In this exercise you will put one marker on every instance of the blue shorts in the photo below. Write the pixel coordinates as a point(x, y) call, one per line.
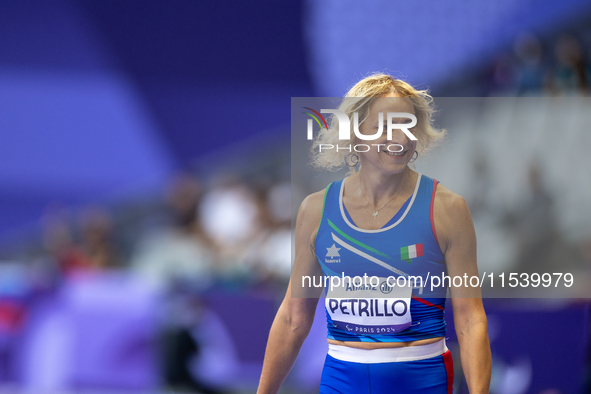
point(432, 375)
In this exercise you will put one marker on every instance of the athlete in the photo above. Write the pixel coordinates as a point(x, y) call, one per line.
point(388, 223)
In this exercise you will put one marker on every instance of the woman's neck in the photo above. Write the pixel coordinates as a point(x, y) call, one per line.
point(377, 187)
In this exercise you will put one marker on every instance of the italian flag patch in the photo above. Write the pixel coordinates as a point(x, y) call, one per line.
point(407, 253)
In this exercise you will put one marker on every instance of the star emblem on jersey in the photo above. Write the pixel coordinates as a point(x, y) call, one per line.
point(333, 252)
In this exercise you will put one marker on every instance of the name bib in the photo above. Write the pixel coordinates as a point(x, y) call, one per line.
point(367, 309)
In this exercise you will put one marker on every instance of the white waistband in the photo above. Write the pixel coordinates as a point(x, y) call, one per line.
point(387, 355)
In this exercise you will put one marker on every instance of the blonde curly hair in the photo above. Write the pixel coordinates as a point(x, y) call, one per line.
point(359, 99)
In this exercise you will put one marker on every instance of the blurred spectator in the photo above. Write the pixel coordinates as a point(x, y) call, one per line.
point(229, 217)
point(572, 71)
point(268, 253)
point(481, 181)
point(530, 72)
point(96, 249)
point(179, 261)
point(98, 240)
point(14, 299)
point(181, 252)
point(501, 76)
point(60, 244)
point(541, 247)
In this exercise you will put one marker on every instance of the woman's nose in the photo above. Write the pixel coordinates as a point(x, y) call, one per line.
point(398, 136)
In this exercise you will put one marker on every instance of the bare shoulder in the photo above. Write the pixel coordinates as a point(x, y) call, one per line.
point(309, 215)
point(305, 263)
point(451, 216)
point(312, 204)
point(449, 202)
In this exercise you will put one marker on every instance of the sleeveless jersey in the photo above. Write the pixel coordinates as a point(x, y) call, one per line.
point(368, 310)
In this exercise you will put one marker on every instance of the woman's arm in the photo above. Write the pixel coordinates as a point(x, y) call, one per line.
point(457, 240)
point(296, 313)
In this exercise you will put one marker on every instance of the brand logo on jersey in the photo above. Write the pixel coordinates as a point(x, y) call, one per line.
point(407, 253)
point(386, 288)
point(353, 287)
point(331, 253)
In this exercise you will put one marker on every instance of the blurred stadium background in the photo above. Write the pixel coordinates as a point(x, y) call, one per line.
point(146, 178)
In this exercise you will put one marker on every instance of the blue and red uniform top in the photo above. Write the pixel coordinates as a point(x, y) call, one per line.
point(405, 247)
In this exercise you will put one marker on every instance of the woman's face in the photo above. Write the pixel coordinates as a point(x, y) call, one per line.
point(391, 156)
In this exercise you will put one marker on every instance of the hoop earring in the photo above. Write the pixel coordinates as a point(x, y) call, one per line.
point(414, 157)
point(352, 159)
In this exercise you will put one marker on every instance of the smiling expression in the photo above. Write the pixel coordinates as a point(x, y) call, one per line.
point(393, 155)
